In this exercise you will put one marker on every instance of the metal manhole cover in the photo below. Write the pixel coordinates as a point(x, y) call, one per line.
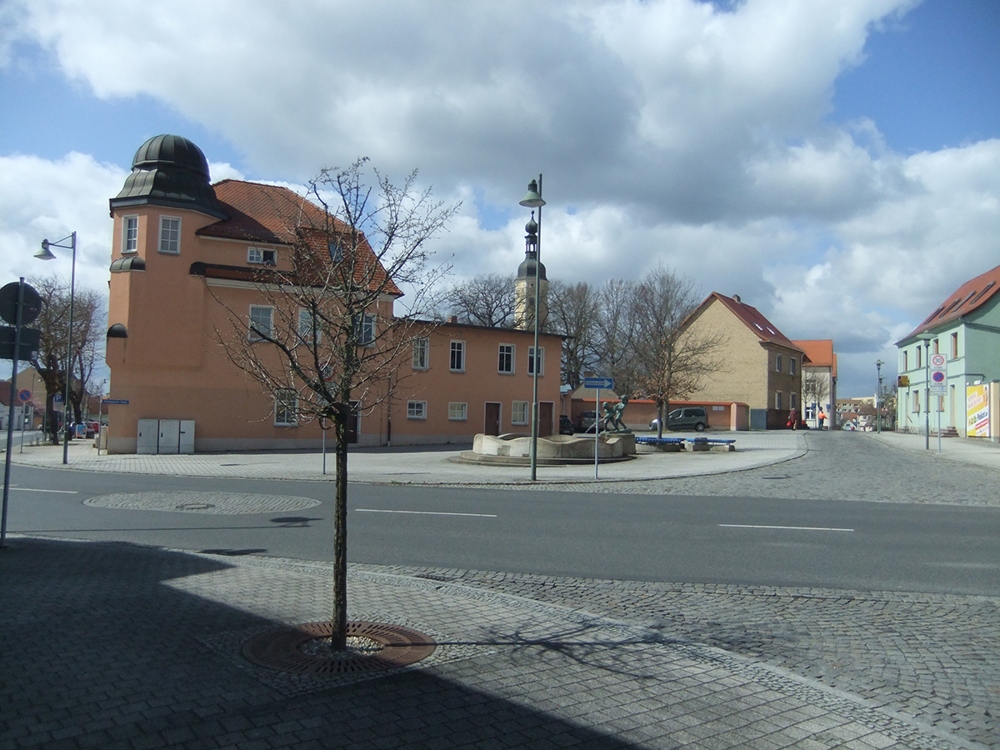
point(376, 647)
point(217, 503)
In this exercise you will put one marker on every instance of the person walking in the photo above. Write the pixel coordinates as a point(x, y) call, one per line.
point(821, 417)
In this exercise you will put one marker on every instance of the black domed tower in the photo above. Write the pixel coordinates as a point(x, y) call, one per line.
point(524, 284)
point(169, 170)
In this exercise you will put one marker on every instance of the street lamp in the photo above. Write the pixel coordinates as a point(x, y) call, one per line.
point(926, 338)
point(46, 254)
point(533, 199)
point(878, 397)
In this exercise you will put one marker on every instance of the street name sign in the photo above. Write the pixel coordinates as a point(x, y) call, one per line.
point(605, 384)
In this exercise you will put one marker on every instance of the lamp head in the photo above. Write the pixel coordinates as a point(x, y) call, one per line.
point(532, 199)
point(45, 253)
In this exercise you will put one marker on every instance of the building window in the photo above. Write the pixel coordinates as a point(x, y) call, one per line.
point(541, 360)
point(777, 400)
point(458, 412)
point(336, 251)
point(791, 365)
point(793, 400)
point(420, 353)
point(261, 322)
point(307, 326)
point(364, 329)
point(919, 357)
point(130, 234)
point(170, 235)
point(416, 410)
point(916, 402)
point(936, 347)
point(286, 408)
point(519, 412)
point(906, 361)
point(505, 360)
point(954, 345)
point(261, 256)
point(777, 363)
point(457, 363)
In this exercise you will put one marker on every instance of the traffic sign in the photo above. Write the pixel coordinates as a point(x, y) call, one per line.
point(938, 360)
point(602, 383)
point(938, 377)
point(114, 401)
point(31, 304)
point(58, 398)
point(24, 396)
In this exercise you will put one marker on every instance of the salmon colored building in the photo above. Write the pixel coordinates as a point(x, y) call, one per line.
point(189, 256)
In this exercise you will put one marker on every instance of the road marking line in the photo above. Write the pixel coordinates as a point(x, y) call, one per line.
point(424, 513)
point(786, 528)
point(58, 492)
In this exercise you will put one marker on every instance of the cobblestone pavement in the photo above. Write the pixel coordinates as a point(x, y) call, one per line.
point(114, 645)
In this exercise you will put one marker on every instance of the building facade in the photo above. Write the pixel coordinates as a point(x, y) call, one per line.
point(955, 348)
point(759, 365)
point(197, 266)
point(819, 382)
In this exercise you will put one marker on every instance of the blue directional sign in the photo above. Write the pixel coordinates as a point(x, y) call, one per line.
point(605, 384)
point(114, 401)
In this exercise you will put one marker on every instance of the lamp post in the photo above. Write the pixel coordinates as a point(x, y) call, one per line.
point(878, 397)
point(926, 338)
point(533, 199)
point(46, 254)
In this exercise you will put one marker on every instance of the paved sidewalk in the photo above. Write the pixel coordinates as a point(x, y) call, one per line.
point(115, 645)
point(423, 465)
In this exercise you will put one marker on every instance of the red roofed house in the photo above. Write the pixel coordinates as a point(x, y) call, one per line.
point(763, 368)
point(961, 341)
point(819, 381)
point(189, 258)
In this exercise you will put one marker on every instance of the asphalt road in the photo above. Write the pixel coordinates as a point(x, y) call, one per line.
point(709, 539)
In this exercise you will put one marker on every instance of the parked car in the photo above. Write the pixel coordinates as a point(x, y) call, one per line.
point(586, 421)
point(685, 418)
point(565, 425)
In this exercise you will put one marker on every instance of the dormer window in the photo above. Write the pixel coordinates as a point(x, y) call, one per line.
point(261, 256)
point(336, 252)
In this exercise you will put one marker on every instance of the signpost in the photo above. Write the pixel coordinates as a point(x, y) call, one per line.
point(938, 385)
point(597, 384)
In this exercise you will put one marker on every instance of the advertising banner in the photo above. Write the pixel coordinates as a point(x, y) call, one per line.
point(977, 409)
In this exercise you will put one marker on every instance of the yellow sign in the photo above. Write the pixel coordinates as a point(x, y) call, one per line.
point(977, 410)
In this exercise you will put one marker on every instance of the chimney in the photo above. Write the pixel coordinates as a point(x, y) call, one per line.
point(453, 319)
point(736, 298)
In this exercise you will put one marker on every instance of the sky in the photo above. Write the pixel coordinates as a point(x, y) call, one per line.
point(835, 163)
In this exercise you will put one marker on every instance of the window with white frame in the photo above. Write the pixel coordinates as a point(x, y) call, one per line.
point(416, 410)
point(306, 326)
point(457, 360)
point(541, 360)
point(170, 235)
point(906, 360)
point(130, 234)
point(777, 363)
point(505, 359)
point(777, 401)
point(261, 322)
point(519, 412)
point(364, 329)
point(261, 256)
point(791, 365)
point(458, 411)
point(421, 353)
point(286, 408)
point(916, 401)
point(954, 345)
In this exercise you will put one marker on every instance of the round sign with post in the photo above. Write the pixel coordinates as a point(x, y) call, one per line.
point(24, 396)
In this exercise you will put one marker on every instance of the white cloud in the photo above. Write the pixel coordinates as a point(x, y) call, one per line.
point(669, 131)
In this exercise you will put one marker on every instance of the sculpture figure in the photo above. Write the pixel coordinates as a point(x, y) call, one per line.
point(613, 416)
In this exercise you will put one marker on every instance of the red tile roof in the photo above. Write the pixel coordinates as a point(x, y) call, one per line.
point(272, 214)
point(819, 352)
point(753, 320)
point(970, 296)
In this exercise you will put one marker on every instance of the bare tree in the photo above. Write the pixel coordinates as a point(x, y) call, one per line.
point(672, 362)
point(485, 300)
point(815, 387)
point(51, 364)
point(332, 344)
point(573, 313)
point(616, 335)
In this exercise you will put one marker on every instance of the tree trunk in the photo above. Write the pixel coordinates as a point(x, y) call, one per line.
point(339, 621)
